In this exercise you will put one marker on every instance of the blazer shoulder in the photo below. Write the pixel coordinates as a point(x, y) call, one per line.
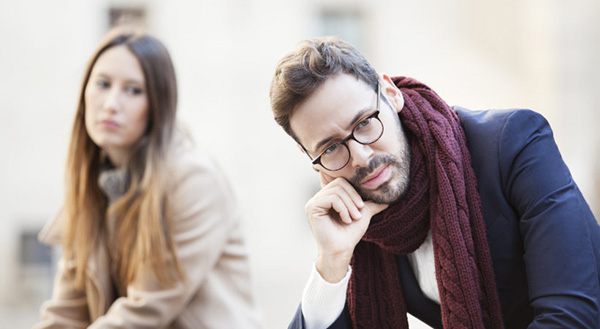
point(486, 128)
point(495, 117)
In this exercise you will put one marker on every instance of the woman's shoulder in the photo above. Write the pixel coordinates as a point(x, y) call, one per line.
point(192, 167)
point(197, 187)
point(51, 233)
point(187, 158)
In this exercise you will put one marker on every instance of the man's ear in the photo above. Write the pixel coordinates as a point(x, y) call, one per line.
point(391, 92)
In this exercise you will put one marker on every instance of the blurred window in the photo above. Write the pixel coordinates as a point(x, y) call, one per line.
point(127, 16)
point(345, 23)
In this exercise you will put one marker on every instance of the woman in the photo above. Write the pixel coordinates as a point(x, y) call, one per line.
point(149, 228)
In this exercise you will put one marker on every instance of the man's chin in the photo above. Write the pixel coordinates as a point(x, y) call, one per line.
point(383, 194)
point(389, 191)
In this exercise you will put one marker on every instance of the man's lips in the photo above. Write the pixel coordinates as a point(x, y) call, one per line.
point(378, 177)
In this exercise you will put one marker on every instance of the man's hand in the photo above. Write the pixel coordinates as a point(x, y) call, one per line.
point(338, 218)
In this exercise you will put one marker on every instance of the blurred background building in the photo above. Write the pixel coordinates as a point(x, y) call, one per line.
point(538, 54)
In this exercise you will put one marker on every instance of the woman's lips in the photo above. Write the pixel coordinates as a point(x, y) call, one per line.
point(373, 181)
point(110, 124)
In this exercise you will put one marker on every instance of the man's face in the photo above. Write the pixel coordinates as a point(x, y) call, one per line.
point(378, 171)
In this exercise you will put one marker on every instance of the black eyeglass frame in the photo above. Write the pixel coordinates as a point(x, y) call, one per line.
point(343, 142)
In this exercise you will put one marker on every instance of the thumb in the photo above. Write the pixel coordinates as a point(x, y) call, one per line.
point(374, 208)
point(324, 178)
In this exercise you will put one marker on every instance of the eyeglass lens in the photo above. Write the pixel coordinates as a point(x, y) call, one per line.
point(366, 132)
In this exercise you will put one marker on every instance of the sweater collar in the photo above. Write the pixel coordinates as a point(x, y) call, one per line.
point(113, 182)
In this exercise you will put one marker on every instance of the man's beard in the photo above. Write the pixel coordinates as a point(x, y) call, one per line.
point(391, 190)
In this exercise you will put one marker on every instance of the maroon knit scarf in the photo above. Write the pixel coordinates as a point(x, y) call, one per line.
point(443, 196)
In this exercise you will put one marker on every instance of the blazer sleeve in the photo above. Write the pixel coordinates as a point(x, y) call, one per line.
point(298, 320)
point(342, 322)
point(556, 225)
point(203, 213)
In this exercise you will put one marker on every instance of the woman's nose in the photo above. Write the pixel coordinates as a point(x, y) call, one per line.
point(112, 102)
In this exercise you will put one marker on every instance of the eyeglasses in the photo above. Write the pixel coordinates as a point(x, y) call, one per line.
point(368, 130)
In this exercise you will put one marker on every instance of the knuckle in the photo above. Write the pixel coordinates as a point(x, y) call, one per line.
point(309, 205)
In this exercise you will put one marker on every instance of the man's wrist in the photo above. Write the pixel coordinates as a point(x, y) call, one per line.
point(323, 302)
point(333, 268)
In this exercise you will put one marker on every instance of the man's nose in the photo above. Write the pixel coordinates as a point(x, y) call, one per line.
point(359, 153)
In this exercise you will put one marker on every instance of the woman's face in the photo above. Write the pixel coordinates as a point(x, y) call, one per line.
point(116, 103)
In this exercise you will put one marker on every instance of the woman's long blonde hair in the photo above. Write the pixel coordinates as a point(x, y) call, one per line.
point(142, 232)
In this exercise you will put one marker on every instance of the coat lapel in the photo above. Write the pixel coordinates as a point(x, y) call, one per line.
point(99, 290)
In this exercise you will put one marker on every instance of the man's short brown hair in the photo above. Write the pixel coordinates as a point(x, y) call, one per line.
point(303, 70)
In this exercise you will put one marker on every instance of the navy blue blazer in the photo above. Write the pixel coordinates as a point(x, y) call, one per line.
point(543, 239)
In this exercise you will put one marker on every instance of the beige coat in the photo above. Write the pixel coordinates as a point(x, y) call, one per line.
point(209, 244)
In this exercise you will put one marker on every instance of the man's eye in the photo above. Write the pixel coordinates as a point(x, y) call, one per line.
point(331, 148)
point(364, 123)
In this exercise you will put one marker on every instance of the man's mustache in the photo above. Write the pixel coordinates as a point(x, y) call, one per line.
point(375, 163)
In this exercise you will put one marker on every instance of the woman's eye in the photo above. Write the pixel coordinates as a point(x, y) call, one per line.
point(134, 90)
point(102, 84)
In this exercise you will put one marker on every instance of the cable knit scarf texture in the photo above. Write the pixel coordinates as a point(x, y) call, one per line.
point(442, 196)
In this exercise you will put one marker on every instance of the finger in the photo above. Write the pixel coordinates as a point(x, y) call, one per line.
point(340, 207)
point(374, 208)
point(351, 197)
point(350, 203)
point(352, 193)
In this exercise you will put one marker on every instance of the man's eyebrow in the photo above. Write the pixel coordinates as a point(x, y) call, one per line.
point(350, 126)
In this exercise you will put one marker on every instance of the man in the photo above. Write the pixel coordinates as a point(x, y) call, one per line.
point(464, 219)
